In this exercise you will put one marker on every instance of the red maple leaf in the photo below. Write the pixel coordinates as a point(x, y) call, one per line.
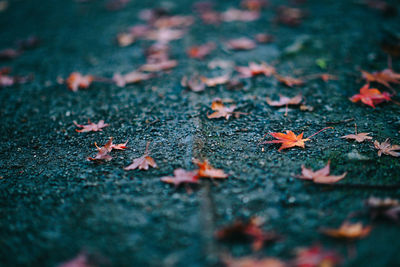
point(77, 80)
point(289, 139)
point(370, 96)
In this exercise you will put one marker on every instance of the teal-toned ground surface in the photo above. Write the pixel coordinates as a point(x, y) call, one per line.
point(54, 203)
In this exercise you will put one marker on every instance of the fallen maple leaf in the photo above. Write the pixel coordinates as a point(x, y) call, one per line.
point(285, 101)
point(177, 21)
point(321, 176)
point(387, 208)
point(206, 170)
point(348, 231)
point(359, 137)
point(77, 80)
point(222, 111)
point(194, 83)
point(250, 262)
point(255, 69)
point(201, 51)
point(316, 256)
point(7, 80)
point(103, 152)
point(131, 77)
point(159, 66)
point(91, 127)
point(142, 163)
point(240, 230)
point(327, 77)
point(386, 148)
point(181, 176)
point(384, 77)
point(289, 139)
point(81, 260)
point(289, 81)
point(234, 14)
point(241, 44)
point(370, 96)
point(211, 82)
point(164, 35)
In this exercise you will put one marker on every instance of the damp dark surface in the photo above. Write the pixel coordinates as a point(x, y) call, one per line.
point(54, 203)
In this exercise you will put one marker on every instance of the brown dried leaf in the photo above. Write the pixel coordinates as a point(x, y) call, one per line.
point(360, 137)
point(77, 80)
point(386, 148)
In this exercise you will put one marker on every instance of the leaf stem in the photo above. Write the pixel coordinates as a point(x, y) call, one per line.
point(320, 131)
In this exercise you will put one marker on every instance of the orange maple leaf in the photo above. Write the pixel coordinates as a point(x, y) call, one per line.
point(206, 170)
point(77, 80)
point(348, 231)
point(103, 152)
point(370, 96)
point(289, 139)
